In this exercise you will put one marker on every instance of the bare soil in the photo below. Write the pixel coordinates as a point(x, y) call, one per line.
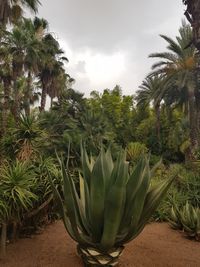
point(158, 245)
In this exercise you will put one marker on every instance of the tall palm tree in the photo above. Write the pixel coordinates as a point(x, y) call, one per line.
point(178, 64)
point(59, 81)
point(15, 41)
point(151, 91)
point(192, 13)
point(50, 67)
point(11, 11)
point(23, 45)
point(35, 30)
point(5, 81)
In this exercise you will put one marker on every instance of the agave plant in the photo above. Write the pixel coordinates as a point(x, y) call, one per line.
point(186, 219)
point(111, 206)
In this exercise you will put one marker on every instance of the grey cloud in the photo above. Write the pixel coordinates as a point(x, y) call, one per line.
point(80, 67)
point(106, 26)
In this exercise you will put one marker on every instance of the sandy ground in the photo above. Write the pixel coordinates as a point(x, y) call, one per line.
point(158, 245)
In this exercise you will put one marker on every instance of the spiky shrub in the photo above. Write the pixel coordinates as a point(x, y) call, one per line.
point(17, 181)
point(134, 151)
point(186, 219)
point(110, 208)
point(16, 184)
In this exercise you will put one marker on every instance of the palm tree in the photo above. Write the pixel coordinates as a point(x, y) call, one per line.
point(50, 67)
point(16, 42)
point(192, 13)
point(150, 91)
point(11, 11)
point(23, 45)
point(59, 81)
point(178, 65)
point(35, 30)
point(5, 81)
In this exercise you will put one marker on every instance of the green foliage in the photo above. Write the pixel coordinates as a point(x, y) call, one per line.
point(26, 140)
point(41, 168)
point(16, 185)
point(186, 188)
point(117, 111)
point(134, 151)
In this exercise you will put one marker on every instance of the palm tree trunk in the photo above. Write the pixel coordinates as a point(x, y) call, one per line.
point(197, 107)
point(157, 111)
point(27, 95)
point(193, 124)
point(14, 231)
point(6, 83)
point(16, 105)
point(17, 73)
point(3, 240)
point(43, 96)
point(192, 13)
point(51, 103)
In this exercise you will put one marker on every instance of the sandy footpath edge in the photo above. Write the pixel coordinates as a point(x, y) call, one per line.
point(158, 245)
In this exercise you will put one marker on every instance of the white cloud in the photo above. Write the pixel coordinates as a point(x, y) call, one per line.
point(108, 42)
point(102, 68)
point(98, 69)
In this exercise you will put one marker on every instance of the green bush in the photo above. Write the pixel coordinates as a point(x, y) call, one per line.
point(134, 151)
point(186, 188)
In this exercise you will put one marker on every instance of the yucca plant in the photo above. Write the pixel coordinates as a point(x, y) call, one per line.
point(110, 208)
point(43, 207)
point(17, 181)
point(186, 219)
point(135, 150)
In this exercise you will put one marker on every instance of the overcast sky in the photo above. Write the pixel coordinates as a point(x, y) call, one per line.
point(108, 42)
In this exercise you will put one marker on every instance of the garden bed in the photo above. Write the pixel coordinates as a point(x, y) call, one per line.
point(158, 245)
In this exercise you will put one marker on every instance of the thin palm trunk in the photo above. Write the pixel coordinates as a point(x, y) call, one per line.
point(51, 104)
point(6, 83)
point(18, 72)
point(14, 232)
point(197, 107)
point(3, 240)
point(157, 112)
point(192, 13)
point(193, 123)
point(46, 82)
point(43, 97)
point(27, 95)
point(16, 105)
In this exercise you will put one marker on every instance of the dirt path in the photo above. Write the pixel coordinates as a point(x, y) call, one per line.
point(158, 245)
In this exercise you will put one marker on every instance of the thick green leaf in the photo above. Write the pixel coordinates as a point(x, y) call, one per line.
point(136, 207)
point(114, 207)
point(97, 195)
point(108, 168)
point(132, 187)
point(153, 199)
point(85, 166)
